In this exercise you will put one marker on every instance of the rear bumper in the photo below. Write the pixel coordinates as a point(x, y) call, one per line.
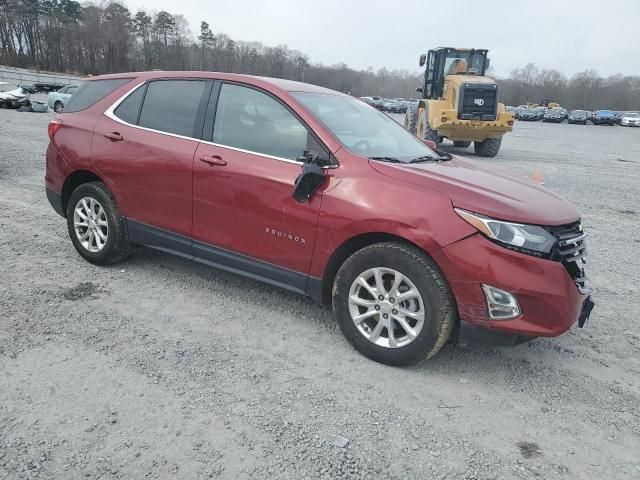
point(548, 297)
point(55, 199)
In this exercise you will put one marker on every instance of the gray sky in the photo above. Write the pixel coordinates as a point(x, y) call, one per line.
point(570, 35)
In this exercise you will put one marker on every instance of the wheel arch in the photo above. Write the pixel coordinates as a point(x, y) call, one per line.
point(73, 181)
point(348, 248)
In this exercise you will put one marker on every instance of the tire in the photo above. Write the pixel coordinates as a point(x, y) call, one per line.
point(58, 107)
point(116, 247)
point(488, 148)
point(461, 143)
point(438, 310)
point(4, 105)
point(411, 118)
point(423, 130)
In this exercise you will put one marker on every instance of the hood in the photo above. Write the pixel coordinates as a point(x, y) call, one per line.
point(17, 93)
point(485, 190)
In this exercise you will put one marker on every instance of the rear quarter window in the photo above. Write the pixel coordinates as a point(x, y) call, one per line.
point(93, 91)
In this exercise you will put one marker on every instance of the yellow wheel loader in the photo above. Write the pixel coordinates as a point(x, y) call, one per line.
point(459, 102)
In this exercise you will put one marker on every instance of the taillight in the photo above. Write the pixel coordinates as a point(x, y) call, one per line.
point(54, 125)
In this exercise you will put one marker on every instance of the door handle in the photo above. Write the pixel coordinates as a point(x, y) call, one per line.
point(213, 160)
point(114, 136)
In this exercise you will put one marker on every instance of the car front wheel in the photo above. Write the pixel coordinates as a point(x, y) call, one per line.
point(95, 225)
point(58, 107)
point(393, 304)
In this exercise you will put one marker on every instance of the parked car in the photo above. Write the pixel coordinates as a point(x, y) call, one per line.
point(15, 98)
point(48, 86)
point(58, 100)
point(603, 117)
point(554, 115)
point(630, 119)
point(316, 192)
point(393, 106)
point(578, 116)
point(530, 115)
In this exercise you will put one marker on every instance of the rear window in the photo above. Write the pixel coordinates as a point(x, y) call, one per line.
point(91, 92)
point(172, 106)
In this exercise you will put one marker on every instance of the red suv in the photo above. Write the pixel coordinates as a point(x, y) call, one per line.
point(317, 192)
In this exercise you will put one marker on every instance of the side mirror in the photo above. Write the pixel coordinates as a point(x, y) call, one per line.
point(423, 59)
point(419, 90)
point(431, 144)
point(311, 178)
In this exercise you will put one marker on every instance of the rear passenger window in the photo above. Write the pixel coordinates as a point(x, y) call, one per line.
point(172, 106)
point(129, 109)
point(91, 92)
point(253, 121)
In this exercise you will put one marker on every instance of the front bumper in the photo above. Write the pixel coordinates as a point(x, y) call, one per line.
point(549, 299)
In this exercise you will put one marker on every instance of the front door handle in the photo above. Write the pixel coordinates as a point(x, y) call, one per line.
point(114, 136)
point(213, 160)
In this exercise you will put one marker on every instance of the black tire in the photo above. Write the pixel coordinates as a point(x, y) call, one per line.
point(58, 107)
point(4, 105)
point(411, 118)
point(461, 143)
point(440, 309)
point(488, 148)
point(428, 133)
point(116, 247)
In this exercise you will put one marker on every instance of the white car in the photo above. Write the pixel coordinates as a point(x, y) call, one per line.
point(630, 119)
point(58, 100)
point(14, 98)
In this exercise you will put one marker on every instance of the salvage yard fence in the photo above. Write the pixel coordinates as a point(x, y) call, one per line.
point(23, 76)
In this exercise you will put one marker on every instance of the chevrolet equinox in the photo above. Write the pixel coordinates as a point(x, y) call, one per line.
point(317, 192)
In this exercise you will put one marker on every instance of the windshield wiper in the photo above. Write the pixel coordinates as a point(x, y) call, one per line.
point(387, 159)
point(431, 158)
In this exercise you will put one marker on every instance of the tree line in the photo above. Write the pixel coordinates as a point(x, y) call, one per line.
point(585, 90)
point(87, 38)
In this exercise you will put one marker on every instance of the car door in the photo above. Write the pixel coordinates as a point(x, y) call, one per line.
point(144, 146)
point(244, 172)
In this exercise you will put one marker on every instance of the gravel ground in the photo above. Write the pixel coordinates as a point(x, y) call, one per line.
point(162, 368)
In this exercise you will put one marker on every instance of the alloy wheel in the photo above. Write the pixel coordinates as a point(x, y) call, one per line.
point(90, 224)
point(386, 307)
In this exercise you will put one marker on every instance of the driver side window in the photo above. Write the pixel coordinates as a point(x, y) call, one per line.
point(251, 120)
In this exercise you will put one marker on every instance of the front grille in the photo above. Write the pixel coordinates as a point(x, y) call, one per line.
point(478, 101)
point(570, 249)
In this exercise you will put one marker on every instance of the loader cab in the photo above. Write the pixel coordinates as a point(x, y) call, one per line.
point(444, 61)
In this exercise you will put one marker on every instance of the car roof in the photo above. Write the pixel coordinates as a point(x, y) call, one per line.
point(268, 83)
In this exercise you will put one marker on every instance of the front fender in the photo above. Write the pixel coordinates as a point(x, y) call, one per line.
point(375, 203)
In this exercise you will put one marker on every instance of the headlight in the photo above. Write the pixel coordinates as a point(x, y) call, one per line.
point(517, 236)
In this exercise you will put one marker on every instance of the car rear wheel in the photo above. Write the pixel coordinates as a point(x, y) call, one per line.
point(393, 304)
point(58, 107)
point(488, 148)
point(461, 143)
point(95, 225)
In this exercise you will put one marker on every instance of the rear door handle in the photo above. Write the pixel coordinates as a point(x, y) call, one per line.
point(213, 160)
point(114, 136)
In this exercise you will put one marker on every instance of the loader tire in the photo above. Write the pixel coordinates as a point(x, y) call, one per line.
point(488, 147)
point(411, 118)
point(424, 131)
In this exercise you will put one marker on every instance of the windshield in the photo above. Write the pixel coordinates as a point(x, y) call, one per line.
point(633, 115)
point(363, 129)
point(578, 112)
point(555, 112)
point(458, 62)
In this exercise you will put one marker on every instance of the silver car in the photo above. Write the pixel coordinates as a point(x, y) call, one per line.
point(58, 100)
